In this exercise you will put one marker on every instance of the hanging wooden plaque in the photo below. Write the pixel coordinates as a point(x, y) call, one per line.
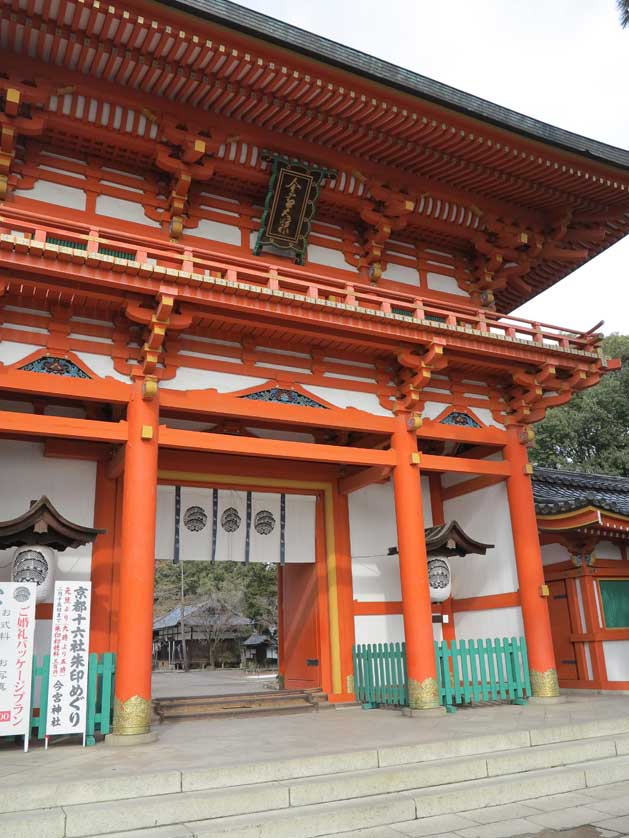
point(290, 205)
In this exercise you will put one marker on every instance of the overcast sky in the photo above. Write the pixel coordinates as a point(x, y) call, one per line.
point(563, 61)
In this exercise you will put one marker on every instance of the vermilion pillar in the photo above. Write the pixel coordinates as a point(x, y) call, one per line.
point(132, 706)
point(423, 691)
point(528, 557)
point(103, 560)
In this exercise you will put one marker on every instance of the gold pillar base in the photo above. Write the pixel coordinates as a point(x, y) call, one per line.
point(544, 684)
point(132, 717)
point(423, 695)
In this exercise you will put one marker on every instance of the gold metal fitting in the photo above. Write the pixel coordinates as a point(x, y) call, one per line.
point(544, 684)
point(147, 432)
point(423, 695)
point(132, 717)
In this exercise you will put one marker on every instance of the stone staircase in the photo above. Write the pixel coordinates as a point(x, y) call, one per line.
point(276, 702)
point(325, 795)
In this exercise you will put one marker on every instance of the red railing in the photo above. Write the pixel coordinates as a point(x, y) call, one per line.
point(138, 254)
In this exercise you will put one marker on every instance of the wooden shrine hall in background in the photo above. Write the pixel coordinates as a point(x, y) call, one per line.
point(237, 256)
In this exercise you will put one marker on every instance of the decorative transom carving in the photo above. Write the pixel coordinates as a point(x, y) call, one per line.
point(283, 396)
point(55, 366)
point(458, 418)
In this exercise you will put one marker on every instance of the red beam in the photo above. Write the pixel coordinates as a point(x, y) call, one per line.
point(463, 465)
point(35, 425)
point(274, 449)
point(365, 477)
point(211, 402)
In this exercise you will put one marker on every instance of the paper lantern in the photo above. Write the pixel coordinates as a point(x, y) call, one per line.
point(35, 563)
point(439, 579)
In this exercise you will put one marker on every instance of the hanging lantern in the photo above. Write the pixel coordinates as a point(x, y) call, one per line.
point(35, 563)
point(439, 579)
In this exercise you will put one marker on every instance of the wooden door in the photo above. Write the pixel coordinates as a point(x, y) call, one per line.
point(562, 628)
point(300, 643)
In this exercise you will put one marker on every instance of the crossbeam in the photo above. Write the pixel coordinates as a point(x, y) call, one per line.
point(463, 465)
point(88, 390)
point(232, 407)
point(35, 425)
point(271, 448)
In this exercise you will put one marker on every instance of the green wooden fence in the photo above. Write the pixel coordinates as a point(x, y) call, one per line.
point(473, 670)
point(100, 695)
point(478, 670)
point(380, 674)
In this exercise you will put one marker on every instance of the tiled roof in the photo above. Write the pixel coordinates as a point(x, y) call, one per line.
point(198, 615)
point(323, 49)
point(558, 491)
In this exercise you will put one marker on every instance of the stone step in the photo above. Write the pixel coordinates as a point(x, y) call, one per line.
point(314, 820)
point(255, 695)
point(493, 746)
point(436, 787)
point(227, 706)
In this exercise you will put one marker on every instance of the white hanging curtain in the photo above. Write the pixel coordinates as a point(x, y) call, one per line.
point(230, 525)
point(299, 536)
point(222, 525)
point(266, 527)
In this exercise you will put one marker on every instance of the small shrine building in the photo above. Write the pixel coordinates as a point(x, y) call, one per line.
point(255, 305)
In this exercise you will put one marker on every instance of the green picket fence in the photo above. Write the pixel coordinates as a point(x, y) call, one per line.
point(472, 670)
point(100, 695)
point(380, 674)
point(477, 670)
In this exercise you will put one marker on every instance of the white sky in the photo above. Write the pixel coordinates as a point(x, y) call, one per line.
point(562, 61)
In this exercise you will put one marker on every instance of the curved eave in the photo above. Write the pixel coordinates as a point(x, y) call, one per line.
point(375, 69)
point(43, 524)
point(588, 516)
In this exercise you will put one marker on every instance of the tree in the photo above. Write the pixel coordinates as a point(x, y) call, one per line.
point(591, 432)
point(623, 10)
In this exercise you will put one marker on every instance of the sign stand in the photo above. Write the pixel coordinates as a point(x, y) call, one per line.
point(69, 660)
point(17, 632)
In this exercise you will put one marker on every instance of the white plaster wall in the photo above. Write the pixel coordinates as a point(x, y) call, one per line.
point(375, 575)
point(124, 210)
point(217, 231)
point(318, 255)
point(25, 475)
point(56, 194)
point(607, 550)
point(349, 398)
point(401, 273)
point(447, 284)
point(494, 622)
point(190, 378)
point(554, 553)
point(11, 352)
point(484, 515)
point(588, 661)
point(379, 628)
point(433, 409)
point(617, 659)
point(102, 365)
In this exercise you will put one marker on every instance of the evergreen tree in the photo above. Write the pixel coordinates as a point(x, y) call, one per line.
point(591, 432)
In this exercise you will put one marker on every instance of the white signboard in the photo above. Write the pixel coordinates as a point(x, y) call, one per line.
point(17, 630)
point(69, 658)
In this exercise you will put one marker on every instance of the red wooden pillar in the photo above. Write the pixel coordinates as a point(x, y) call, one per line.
point(423, 690)
point(103, 560)
point(528, 557)
point(132, 706)
point(345, 592)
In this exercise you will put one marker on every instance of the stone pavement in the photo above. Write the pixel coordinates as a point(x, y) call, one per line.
point(217, 743)
point(600, 812)
point(167, 683)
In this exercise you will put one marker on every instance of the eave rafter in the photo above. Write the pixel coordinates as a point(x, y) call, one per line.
point(439, 204)
point(244, 79)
